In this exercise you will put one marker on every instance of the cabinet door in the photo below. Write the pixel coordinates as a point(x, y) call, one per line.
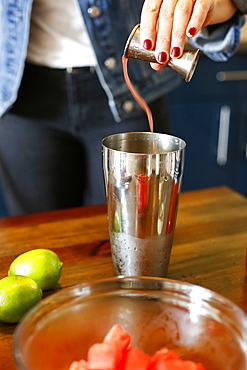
point(241, 155)
point(3, 209)
point(206, 128)
point(209, 113)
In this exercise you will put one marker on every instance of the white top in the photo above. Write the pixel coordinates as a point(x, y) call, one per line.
point(58, 36)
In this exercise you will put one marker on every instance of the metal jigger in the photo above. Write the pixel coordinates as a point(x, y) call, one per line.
point(184, 66)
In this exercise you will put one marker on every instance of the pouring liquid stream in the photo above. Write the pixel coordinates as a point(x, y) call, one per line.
point(136, 95)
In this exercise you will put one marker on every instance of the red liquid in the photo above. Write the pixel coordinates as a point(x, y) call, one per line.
point(136, 95)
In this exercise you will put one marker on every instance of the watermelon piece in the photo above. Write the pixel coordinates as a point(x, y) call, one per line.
point(118, 336)
point(78, 365)
point(164, 354)
point(166, 359)
point(136, 359)
point(177, 365)
point(116, 353)
point(104, 356)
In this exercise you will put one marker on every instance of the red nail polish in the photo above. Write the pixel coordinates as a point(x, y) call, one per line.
point(192, 31)
point(162, 57)
point(175, 52)
point(147, 44)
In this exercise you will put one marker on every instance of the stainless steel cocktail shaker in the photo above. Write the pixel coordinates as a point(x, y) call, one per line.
point(143, 173)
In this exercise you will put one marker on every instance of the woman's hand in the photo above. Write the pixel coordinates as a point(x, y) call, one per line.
point(166, 23)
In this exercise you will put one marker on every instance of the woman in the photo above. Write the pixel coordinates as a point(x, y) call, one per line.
point(62, 88)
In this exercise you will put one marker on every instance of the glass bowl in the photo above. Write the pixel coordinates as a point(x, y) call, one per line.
point(195, 322)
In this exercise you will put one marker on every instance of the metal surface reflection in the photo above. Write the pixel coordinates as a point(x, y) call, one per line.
point(185, 65)
point(143, 174)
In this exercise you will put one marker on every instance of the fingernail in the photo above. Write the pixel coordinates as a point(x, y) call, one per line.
point(147, 44)
point(175, 52)
point(162, 57)
point(192, 31)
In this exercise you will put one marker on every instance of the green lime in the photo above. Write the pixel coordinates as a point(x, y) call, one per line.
point(17, 295)
point(116, 223)
point(41, 265)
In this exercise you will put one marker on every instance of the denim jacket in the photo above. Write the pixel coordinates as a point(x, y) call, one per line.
point(109, 23)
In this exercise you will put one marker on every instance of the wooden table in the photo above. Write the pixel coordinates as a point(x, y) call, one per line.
point(209, 246)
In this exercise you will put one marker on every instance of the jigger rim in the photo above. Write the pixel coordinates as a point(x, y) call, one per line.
point(132, 33)
point(187, 75)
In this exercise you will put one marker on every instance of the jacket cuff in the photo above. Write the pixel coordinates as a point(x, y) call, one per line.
point(219, 42)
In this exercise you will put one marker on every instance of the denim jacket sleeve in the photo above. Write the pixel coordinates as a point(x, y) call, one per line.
point(220, 42)
point(14, 34)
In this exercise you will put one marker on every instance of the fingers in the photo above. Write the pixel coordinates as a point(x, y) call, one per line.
point(181, 17)
point(148, 24)
point(166, 23)
point(200, 17)
point(164, 30)
point(156, 66)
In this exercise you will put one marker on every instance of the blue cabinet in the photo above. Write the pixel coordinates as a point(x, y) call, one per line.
point(3, 209)
point(210, 114)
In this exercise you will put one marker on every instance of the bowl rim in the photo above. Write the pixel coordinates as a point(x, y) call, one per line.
point(82, 291)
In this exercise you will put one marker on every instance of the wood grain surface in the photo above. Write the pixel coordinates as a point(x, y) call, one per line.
point(208, 250)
